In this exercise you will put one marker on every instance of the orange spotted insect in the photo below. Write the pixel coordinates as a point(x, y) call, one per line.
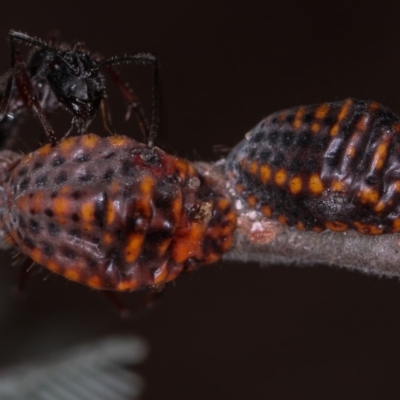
point(112, 213)
point(329, 166)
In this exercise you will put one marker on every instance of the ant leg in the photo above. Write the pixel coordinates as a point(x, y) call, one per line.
point(8, 76)
point(144, 58)
point(133, 102)
point(24, 83)
point(106, 116)
point(25, 87)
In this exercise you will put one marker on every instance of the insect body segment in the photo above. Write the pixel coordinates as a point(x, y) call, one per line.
point(113, 214)
point(329, 166)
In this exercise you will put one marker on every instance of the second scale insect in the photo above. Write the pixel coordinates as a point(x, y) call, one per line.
point(68, 77)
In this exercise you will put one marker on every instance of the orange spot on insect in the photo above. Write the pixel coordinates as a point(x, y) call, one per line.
point(23, 203)
point(295, 185)
point(146, 189)
point(52, 266)
point(396, 225)
point(265, 173)
point(396, 127)
point(298, 118)
point(94, 282)
point(107, 238)
point(253, 167)
point(368, 195)
point(373, 106)
point(344, 111)
point(338, 186)
point(65, 190)
point(118, 141)
point(110, 212)
point(223, 204)
point(182, 167)
point(266, 210)
point(351, 151)
point(282, 116)
point(60, 207)
point(208, 259)
point(380, 155)
point(362, 122)
point(252, 201)
point(280, 177)
point(336, 226)
point(367, 228)
point(334, 130)
point(315, 184)
point(162, 247)
point(315, 127)
point(71, 274)
point(380, 207)
point(188, 244)
point(322, 111)
point(176, 208)
point(317, 229)
point(300, 226)
point(282, 219)
point(44, 151)
point(89, 141)
point(133, 247)
point(37, 201)
point(66, 145)
point(36, 255)
point(87, 213)
point(130, 284)
point(342, 115)
point(397, 186)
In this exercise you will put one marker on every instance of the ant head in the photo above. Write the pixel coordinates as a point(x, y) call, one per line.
point(77, 83)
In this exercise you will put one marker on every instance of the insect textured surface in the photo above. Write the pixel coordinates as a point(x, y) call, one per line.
point(328, 166)
point(111, 213)
point(69, 77)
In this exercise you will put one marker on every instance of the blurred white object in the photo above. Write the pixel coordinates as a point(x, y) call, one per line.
point(93, 372)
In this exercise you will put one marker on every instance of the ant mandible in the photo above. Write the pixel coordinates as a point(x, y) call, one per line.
point(69, 77)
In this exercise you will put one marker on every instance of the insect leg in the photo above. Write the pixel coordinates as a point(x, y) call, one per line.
point(27, 91)
point(144, 58)
point(132, 100)
point(106, 116)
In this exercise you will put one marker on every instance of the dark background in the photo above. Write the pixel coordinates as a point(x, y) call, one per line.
point(228, 330)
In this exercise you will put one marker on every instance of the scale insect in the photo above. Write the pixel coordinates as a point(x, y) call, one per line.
point(111, 213)
point(68, 77)
point(329, 166)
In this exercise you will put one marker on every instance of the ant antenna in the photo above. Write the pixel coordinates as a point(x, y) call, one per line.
point(23, 37)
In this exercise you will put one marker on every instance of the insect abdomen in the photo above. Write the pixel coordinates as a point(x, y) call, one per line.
point(330, 166)
point(113, 214)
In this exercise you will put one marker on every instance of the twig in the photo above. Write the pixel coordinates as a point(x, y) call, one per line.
point(268, 242)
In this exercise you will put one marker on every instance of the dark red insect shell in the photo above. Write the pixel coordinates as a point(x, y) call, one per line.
point(329, 166)
point(113, 214)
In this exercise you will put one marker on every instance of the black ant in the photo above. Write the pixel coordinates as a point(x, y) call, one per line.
point(68, 77)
